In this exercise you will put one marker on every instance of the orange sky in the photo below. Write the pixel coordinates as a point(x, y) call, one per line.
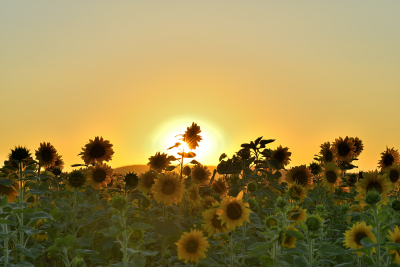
point(300, 72)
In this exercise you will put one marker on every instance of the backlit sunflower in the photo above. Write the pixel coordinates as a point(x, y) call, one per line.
point(373, 180)
point(393, 173)
point(208, 202)
point(297, 214)
point(395, 238)
point(282, 156)
point(46, 155)
point(10, 192)
point(234, 212)
point(359, 146)
point(168, 188)
point(58, 164)
point(42, 235)
point(353, 237)
point(131, 180)
point(191, 136)
point(19, 154)
point(331, 176)
point(99, 175)
point(326, 153)
point(297, 192)
point(286, 240)
point(193, 197)
point(75, 179)
point(146, 181)
point(300, 175)
point(220, 187)
point(212, 224)
point(344, 149)
point(192, 246)
point(389, 157)
point(159, 161)
point(200, 174)
point(30, 200)
point(97, 150)
point(186, 170)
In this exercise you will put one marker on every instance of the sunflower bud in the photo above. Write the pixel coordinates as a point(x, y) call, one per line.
point(313, 223)
point(280, 203)
point(118, 202)
point(396, 205)
point(137, 235)
point(167, 254)
point(131, 180)
point(254, 205)
point(320, 209)
point(79, 262)
point(56, 171)
point(372, 197)
point(271, 222)
point(145, 202)
point(251, 187)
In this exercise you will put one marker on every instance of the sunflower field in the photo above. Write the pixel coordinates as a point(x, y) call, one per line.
point(250, 211)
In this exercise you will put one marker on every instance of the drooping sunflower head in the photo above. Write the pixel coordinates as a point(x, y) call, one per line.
point(282, 156)
point(30, 200)
point(359, 146)
point(168, 188)
point(159, 161)
point(146, 181)
point(395, 238)
point(297, 192)
point(220, 187)
point(192, 246)
point(389, 157)
point(46, 154)
point(200, 174)
point(271, 221)
point(99, 175)
point(286, 240)
point(191, 136)
point(326, 153)
point(75, 179)
point(10, 191)
point(353, 237)
point(393, 173)
point(186, 170)
point(209, 201)
point(97, 150)
point(193, 197)
point(212, 224)
point(19, 154)
point(373, 181)
point(331, 176)
point(131, 180)
point(234, 212)
point(297, 214)
point(300, 175)
point(344, 149)
point(42, 235)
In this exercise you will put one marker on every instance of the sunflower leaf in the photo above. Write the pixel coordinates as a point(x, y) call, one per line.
point(295, 234)
point(367, 243)
point(6, 182)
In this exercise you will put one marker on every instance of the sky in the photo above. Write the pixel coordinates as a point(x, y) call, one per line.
point(138, 73)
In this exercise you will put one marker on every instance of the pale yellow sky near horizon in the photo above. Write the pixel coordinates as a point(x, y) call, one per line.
point(140, 72)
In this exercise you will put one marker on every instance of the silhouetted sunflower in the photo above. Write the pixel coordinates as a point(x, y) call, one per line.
point(326, 153)
point(300, 175)
point(373, 180)
point(353, 237)
point(220, 187)
point(297, 214)
point(359, 146)
point(10, 191)
point(192, 246)
point(395, 238)
point(97, 150)
point(46, 154)
point(200, 174)
point(19, 154)
point(389, 157)
point(131, 180)
point(208, 201)
point(288, 241)
point(331, 176)
point(282, 156)
point(159, 161)
point(186, 170)
point(234, 212)
point(58, 163)
point(344, 149)
point(99, 175)
point(191, 136)
point(212, 224)
point(168, 188)
point(297, 192)
point(393, 173)
point(146, 181)
point(193, 197)
point(75, 179)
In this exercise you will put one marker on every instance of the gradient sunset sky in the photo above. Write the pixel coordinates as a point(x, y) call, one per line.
point(138, 73)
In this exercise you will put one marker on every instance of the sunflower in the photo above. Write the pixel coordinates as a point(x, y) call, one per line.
point(191, 136)
point(208, 201)
point(300, 175)
point(373, 180)
point(389, 157)
point(46, 154)
point(186, 170)
point(30, 200)
point(282, 156)
point(297, 214)
point(271, 221)
point(359, 146)
point(42, 235)
point(10, 191)
point(234, 212)
point(168, 188)
point(393, 172)
point(97, 150)
point(288, 241)
point(192, 246)
point(131, 180)
point(331, 176)
point(193, 197)
point(75, 179)
point(220, 187)
point(353, 237)
point(146, 181)
point(99, 175)
point(326, 153)
point(200, 174)
point(344, 149)
point(19, 154)
point(395, 238)
point(159, 161)
point(296, 192)
point(212, 224)
point(57, 165)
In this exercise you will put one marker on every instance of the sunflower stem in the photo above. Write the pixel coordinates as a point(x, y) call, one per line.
point(231, 249)
point(377, 230)
point(5, 230)
point(21, 201)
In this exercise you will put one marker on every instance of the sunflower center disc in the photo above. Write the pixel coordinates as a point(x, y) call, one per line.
point(47, 155)
point(99, 176)
point(148, 181)
point(76, 181)
point(388, 161)
point(358, 236)
point(394, 176)
point(200, 175)
point(97, 151)
point(234, 211)
point(374, 185)
point(192, 246)
point(219, 188)
point(5, 190)
point(295, 216)
point(168, 188)
point(279, 156)
point(331, 177)
point(300, 178)
point(343, 149)
point(216, 222)
point(329, 156)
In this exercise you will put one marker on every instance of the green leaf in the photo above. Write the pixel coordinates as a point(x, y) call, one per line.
point(24, 264)
point(85, 252)
point(84, 241)
point(393, 246)
point(148, 253)
point(166, 228)
point(367, 243)
point(296, 234)
point(7, 222)
point(300, 261)
point(208, 262)
point(6, 182)
point(138, 261)
point(67, 241)
point(3, 202)
point(261, 249)
point(33, 252)
point(28, 230)
point(329, 250)
point(141, 226)
point(41, 215)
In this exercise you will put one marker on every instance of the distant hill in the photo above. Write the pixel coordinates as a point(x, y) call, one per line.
point(142, 168)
